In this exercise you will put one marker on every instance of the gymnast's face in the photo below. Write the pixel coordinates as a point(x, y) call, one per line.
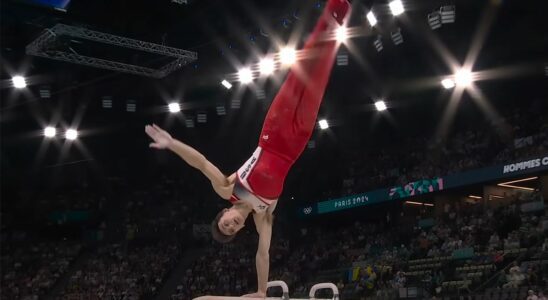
point(231, 222)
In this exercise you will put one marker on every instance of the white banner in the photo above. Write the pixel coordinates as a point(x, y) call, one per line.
point(526, 165)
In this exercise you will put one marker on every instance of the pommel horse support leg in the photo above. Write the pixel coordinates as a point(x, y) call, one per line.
point(285, 295)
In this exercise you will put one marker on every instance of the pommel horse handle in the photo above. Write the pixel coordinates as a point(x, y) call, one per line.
point(283, 285)
point(322, 286)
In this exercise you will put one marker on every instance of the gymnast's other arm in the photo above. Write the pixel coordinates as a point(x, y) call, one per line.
point(222, 185)
point(263, 223)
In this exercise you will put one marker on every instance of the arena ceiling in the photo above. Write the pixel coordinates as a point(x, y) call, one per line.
point(506, 38)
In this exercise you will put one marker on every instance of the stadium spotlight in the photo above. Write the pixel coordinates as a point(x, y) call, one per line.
point(342, 59)
point(288, 56)
point(236, 103)
point(221, 110)
point(378, 43)
point(131, 106)
point(396, 6)
point(341, 34)
point(45, 92)
point(19, 82)
point(189, 123)
point(463, 77)
point(380, 105)
point(323, 124)
point(371, 18)
point(50, 132)
point(71, 134)
point(434, 20)
point(260, 93)
point(448, 14)
point(397, 37)
point(266, 66)
point(201, 117)
point(106, 101)
point(174, 107)
point(226, 84)
point(448, 83)
point(245, 75)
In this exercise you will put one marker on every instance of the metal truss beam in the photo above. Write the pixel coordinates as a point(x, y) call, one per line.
point(44, 46)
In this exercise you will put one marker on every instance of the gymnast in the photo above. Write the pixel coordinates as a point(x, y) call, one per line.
point(256, 186)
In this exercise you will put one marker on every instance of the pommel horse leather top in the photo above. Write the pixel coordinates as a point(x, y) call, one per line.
point(285, 291)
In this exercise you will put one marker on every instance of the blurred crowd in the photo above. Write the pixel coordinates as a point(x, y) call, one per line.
point(114, 271)
point(29, 271)
point(520, 135)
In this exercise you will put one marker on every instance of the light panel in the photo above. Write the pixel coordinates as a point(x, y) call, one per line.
point(50, 132)
point(448, 83)
point(380, 105)
point(174, 107)
point(288, 56)
point(463, 78)
point(71, 134)
point(226, 84)
point(266, 66)
point(323, 124)
point(19, 82)
point(245, 75)
point(371, 18)
point(396, 7)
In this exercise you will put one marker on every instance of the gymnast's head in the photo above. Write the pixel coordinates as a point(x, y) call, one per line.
point(227, 223)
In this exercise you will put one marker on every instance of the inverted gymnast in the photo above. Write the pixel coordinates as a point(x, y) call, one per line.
point(256, 186)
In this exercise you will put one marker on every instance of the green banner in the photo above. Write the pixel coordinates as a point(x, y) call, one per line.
point(426, 186)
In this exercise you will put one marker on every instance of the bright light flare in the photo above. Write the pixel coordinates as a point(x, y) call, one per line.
point(71, 134)
point(341, 34)
point(371, 18)
point(448, 83)
point(396, 7)
point(245, 75)
point(267, 66)
point(174, 107)
point(288, 56)
point(50, 132)
point(463, 78)
point(226, 84)
point(380, 105)
point(19, 82)
point(323, 124)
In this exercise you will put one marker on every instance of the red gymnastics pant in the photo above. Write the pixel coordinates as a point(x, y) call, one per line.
point(291, 118)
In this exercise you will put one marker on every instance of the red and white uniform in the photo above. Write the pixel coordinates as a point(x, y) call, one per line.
point(291, 118)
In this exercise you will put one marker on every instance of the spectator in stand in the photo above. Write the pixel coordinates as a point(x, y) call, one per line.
point(515, 277)
point(531, 295)
point(494, 241)
point(399, 280)
point(532, 277)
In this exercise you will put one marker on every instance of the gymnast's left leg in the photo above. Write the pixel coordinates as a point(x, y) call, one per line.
point(291, 118)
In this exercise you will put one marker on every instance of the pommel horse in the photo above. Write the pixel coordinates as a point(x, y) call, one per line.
point(285, 295)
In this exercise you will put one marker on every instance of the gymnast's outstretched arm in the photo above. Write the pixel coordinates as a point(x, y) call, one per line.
point(162, 140)
point(263, 223)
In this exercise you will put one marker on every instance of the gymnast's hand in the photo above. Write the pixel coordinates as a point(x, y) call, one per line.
point(255, 295)
point(161, 138)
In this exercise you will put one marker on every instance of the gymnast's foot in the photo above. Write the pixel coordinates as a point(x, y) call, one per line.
point(339, 9)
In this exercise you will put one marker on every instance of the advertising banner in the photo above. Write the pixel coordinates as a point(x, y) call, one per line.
point(426, 186)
